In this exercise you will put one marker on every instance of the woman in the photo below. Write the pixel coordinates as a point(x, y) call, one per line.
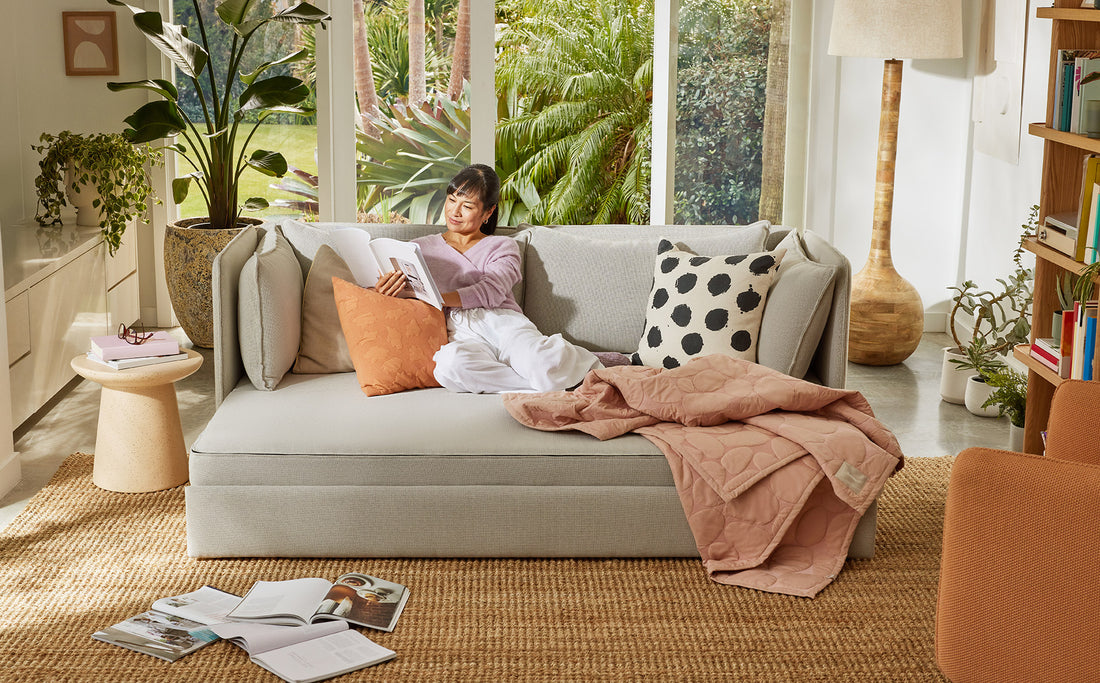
point(492, 346)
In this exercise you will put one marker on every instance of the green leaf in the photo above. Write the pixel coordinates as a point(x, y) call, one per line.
point(170, 39)
point(302, 13)
point(269, 163)
point(273, 92)
point(256, 204)
point(158, 85)
point(181, 185)
point(298, 56)
point(153, 121)
point(233, 12)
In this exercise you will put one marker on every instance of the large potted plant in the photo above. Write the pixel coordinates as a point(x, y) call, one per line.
point(1000, 321)
point(101, 175)
point(214, 143)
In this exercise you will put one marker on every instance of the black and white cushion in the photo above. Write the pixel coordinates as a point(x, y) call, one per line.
point(701, 305)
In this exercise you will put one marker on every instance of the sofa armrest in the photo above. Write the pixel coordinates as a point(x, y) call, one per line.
point(830, 363)
point(225, 280)
point(1019, 599)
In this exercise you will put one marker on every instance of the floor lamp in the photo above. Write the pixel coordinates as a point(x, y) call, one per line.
point(887, 315)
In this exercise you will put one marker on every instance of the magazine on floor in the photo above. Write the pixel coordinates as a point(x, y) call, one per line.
point(355, 597)
point(175, 626)
point(369, 259)
point(302, 654)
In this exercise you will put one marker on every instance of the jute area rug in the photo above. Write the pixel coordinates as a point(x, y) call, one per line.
point(79, 558)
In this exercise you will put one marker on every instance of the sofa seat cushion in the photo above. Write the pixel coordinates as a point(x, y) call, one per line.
point(414, 438)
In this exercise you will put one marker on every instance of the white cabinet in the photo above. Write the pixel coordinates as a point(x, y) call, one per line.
point(60, 289)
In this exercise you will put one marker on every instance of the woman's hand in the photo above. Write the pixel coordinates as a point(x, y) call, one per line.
point(390, 284)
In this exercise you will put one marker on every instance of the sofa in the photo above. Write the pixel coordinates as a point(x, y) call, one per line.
point(307, 465)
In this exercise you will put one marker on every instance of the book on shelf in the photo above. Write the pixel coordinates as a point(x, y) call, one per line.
point(111, 347)
point(1089, 176)
point(174, 627)
point(125, 363)
point(303, 654)
point(354, 597)
point(1088, 87)
point(1083, 350)
point(1048, 353)
point(369, 259)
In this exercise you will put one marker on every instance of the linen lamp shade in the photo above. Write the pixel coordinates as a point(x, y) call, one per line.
point(912, 29)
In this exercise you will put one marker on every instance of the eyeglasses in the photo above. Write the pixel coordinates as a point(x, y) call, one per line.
point(132, 336)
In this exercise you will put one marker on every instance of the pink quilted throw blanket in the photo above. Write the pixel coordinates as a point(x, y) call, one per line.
point(773, 472)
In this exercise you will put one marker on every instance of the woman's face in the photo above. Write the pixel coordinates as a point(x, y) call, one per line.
point(465, 213)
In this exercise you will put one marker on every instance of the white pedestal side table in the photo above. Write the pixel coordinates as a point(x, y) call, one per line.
point(139, 442)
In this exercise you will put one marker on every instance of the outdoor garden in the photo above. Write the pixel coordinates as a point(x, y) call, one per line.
point(574, 85)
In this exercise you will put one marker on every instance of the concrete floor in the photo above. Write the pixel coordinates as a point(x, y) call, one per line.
point(905, 397)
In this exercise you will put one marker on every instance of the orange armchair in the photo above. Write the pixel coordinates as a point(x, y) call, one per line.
point(1019, 595)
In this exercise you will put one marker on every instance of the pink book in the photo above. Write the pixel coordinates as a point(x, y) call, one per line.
point(110, 347)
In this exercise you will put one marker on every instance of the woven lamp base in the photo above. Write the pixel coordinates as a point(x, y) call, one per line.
point(887, 317)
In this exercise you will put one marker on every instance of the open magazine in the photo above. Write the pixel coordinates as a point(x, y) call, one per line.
point(356, 598)
point(175, 626)
point(302, 654)
point(369, 259)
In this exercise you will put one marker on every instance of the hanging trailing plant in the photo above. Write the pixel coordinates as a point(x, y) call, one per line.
point(102, 162)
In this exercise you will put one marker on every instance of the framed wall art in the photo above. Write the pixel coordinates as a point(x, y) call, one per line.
point(91, 43)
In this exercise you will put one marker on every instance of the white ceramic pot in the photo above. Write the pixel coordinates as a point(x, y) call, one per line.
point(952, 377)
point(1015, 438)
point(977, 392)
point(81, 197)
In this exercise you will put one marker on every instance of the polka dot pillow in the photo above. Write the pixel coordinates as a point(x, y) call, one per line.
point(700, 305)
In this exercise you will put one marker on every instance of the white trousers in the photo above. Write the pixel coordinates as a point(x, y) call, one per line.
point(499, 350)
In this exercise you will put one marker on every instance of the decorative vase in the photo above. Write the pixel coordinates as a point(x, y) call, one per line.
point(952, 377)
point(82, 201)
point(189, 252)
point(1056, 326)
point(1015, 438)
point(977, 393)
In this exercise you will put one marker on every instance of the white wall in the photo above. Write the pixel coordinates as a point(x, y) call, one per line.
point(38, 97)
point(957, 213)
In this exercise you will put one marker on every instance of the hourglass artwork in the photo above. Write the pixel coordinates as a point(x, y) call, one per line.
point(91, 43)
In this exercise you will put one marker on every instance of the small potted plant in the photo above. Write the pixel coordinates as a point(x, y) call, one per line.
point(1009, 396)
point(102, 175)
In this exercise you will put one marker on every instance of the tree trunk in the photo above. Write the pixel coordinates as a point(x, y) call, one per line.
point(418, 82)
point(364, 74)
point(775, 114)
point(460, 58)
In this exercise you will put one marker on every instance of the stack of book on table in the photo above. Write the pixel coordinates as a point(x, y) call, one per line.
point(298, 630)
point(115, 352)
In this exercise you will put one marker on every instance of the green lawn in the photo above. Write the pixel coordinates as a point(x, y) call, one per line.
point(297, 143)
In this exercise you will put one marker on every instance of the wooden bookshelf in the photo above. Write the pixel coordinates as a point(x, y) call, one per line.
point(1063, 154)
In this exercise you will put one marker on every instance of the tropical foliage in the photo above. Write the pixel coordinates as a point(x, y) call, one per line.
point(720, 98)
point(103, 162)
point(214, 148)
point(577, 78)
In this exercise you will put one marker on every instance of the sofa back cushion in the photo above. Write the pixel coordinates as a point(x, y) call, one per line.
point(591, 283)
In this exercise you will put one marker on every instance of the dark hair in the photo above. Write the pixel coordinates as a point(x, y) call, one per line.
point(481, 181)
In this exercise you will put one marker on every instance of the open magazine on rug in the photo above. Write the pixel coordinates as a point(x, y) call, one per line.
point(302, 654)
point(175, 626)
point(370, 258)
point(354, 597)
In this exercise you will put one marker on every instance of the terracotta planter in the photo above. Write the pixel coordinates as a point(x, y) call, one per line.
point(189, 253)
point(952, 377)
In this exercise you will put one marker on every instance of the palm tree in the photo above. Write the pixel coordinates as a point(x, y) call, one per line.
point(364, 75)
point(580, 96)
point(418, 82)
point(460, 58)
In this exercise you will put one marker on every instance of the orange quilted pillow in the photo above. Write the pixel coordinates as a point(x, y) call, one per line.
point(391, 341)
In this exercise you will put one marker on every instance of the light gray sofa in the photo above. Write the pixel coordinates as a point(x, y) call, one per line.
point(315, 468)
